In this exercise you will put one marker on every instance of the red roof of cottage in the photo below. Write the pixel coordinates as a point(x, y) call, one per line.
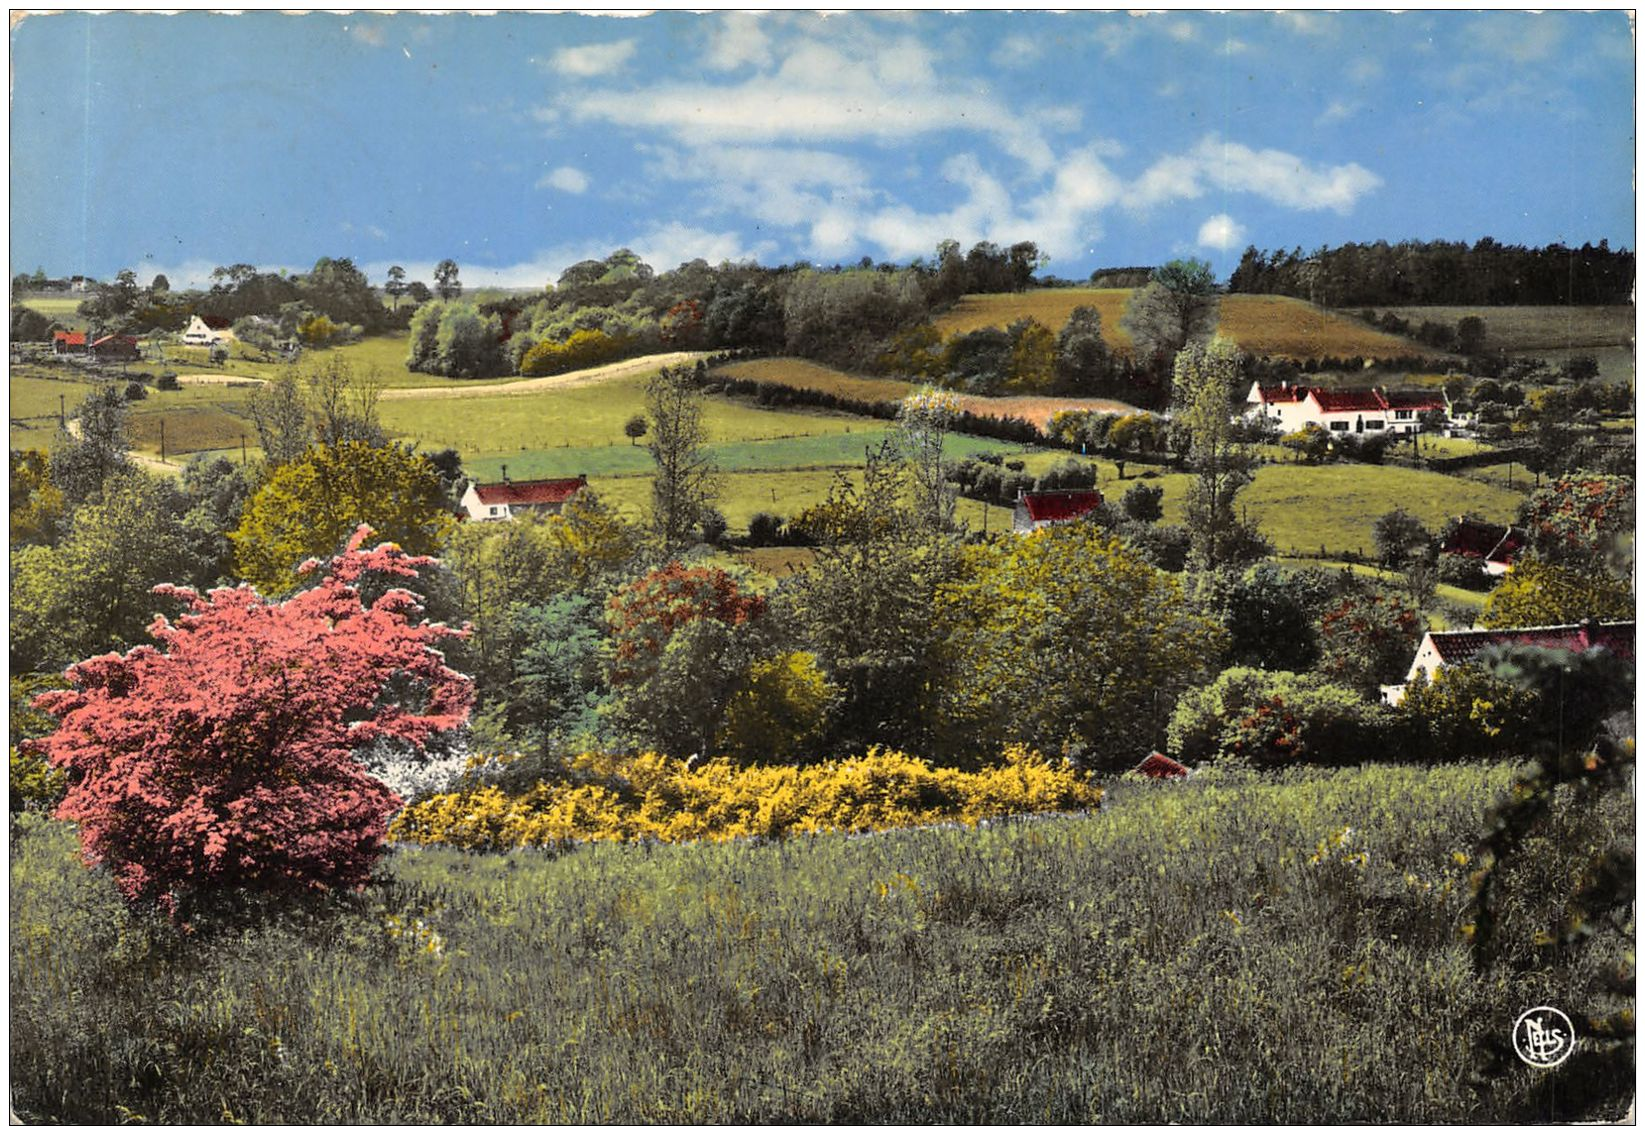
point(1061, 504)
point(1284, 393)
point(1157, 765)
point(1464, 645)
point(1476, 539)
point(1335, 400)
point(72, 338)
point(1409, 399)
point(555, 491)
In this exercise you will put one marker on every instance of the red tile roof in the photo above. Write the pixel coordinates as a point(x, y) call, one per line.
point(555, 491)
point(1157, 765)
point(1333, 400)
point(1415, 399)
point(73, 339)
point(1061, 504)
point(1284, 393)
point(1464, 645)
point(1475, 539)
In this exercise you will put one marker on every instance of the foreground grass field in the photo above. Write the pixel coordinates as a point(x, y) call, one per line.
point(1219, 950)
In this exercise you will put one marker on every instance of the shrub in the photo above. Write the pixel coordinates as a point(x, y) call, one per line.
point(1464, 710)
point(1143, 503)
point(652, 796)
point(135, 391)
point(230, 758)
point(644, 614)
point(1463, 571)
point(167, 381)
point(1069, 473)
point(1273, 718)
point(764, 529)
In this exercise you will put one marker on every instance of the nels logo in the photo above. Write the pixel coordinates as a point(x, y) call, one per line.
point(1544, 1037)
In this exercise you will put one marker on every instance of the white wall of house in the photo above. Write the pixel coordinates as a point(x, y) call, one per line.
point(478, 509)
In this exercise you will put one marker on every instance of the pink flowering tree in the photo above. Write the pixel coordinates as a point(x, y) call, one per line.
point(230, 756)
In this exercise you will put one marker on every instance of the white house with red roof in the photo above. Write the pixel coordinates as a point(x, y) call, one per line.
point(1053, 506)
point(1452, 647)
point(1369, 410)
point(508, 499)
point(203, 331)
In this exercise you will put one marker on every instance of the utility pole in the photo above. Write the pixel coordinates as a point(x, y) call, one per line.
point(242, 449)
point(162, 439)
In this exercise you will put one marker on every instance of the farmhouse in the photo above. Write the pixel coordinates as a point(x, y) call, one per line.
point(1494, 545)
point(68, 343)
point(1054, 506)
point(1374, 410)
point(1457, 646)
point(509, 499)
point(204, 331)
point(114, 347)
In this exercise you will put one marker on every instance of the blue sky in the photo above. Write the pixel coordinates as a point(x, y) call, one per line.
point(521, 143)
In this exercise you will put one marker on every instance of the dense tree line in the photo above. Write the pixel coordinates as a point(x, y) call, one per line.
point(1441, 273)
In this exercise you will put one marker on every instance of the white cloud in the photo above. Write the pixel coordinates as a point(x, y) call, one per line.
point(1338, 110)
point(1221, 232)
point(371, 34)
point(1280, 177)
point(566, 179)
point(781, 186)
point(1520, 37)
point(737, 40)
point(867, 88)
point(593, 60)
point(1308, 23)
point(1016, 51)
point(1231, 47)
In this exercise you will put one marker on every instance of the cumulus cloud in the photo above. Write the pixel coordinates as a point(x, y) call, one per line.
point(566, 179)
point(593, 60)
point(1280, 177)
point(1016, 51)
point(1221, 232)
point(869, 89)
point(737, 40)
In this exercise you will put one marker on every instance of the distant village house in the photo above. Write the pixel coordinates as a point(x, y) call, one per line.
point(204, 331)
point(1374, 410)
point(1494, 545)
point(1452, 647)
point(508, 499)
point(1054, 506)
point(115, 347)
point(69, 343)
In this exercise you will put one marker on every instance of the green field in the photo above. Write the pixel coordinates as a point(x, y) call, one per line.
point(803, 373)
point(1192, 952)
point(58, 307)
point(1553, 333)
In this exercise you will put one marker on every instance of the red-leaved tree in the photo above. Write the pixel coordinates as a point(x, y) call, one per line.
point(645, 613)
point(227, 757)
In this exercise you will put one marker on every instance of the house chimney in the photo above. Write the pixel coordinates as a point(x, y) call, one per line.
point(583, 477)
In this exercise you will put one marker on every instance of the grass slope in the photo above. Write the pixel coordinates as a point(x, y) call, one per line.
point(1266, 325)
point(1051, 307)
point(1194, 952)
point(1553, 333)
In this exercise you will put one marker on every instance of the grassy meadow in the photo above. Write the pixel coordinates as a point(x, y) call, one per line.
point(1141, 964)
point(1553, 333)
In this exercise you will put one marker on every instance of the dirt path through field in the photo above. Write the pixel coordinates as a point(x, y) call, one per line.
point(532, 386)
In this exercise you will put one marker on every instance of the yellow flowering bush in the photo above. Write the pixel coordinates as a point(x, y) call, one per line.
point(652, 795)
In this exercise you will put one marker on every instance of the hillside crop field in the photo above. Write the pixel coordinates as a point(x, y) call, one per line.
point(1266, 325)
point(57, 307)
point(1273, 926)
point(1553, 333)
point(790, 372)
point(1050, 307)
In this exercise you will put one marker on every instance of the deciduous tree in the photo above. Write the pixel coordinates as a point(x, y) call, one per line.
point(309, 506)
point(686, 479)
point(1203, 384)
point(230, 757)
point(1177, 307)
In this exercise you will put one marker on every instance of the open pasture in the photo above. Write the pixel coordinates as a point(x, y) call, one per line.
point(61, 307)
point(1518, 328)
point(586, 415)
point(784, 492)
point(1050, 307)
point(1268, 325)
point(790, 372)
